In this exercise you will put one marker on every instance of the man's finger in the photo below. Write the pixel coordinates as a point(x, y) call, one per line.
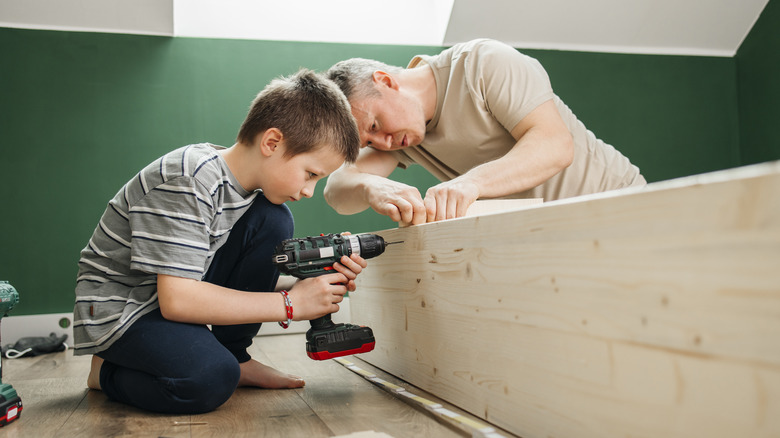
point(391, 211)
point(441, 206)
point(463, 207)
point(430, 208)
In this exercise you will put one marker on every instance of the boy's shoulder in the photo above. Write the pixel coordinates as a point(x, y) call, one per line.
point(193, 166)
point(195, 151)
point(200, 159)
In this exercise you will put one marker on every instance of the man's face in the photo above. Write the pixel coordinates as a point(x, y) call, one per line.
point(389, 122)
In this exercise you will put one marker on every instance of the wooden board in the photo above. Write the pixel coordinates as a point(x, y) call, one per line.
point(482, 207)
point(488, 206)
point(650, 312)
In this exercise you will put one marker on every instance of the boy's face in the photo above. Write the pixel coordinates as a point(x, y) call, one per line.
point(293, 178)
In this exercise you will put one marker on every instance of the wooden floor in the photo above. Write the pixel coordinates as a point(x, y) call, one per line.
point(334, 402)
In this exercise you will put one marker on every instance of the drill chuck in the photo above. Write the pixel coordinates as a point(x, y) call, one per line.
point(370, 245)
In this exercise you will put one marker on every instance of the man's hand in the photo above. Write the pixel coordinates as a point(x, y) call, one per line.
point(450, 199)
point(401, 202)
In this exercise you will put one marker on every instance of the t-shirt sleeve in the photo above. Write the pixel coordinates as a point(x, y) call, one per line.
point(170, 229)
point(404, 160)
point(510, 83)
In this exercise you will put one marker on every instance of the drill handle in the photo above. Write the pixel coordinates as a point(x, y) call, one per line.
point(322, 323)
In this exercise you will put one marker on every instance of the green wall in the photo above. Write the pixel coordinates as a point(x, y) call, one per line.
point(758, 70)
point(81, 113)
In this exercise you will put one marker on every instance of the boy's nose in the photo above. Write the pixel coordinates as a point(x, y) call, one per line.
point(307, 191)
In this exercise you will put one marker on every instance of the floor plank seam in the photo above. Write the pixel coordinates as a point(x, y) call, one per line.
point(471, 426)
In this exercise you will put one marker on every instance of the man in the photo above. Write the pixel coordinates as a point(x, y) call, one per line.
point(482, 118)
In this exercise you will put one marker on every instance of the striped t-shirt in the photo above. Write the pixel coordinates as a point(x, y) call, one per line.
point(169, 219)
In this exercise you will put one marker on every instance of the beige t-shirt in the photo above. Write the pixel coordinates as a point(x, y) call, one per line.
point(484, 88)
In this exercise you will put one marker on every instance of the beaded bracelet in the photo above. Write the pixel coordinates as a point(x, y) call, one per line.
point(288, 307)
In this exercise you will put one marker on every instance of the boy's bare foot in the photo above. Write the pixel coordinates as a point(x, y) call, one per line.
point(93, 380)
point(253, 373)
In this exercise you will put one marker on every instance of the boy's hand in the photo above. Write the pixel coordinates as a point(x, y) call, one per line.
point(318, 296)
point(351, 266)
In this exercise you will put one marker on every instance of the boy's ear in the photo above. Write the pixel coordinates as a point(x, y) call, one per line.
point(270, 141)
point(383, 78)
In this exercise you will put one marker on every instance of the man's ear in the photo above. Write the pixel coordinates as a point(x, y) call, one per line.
point(271, 141)
point(383, 78)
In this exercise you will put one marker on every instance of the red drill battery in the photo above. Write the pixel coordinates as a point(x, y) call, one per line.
point(339, 340)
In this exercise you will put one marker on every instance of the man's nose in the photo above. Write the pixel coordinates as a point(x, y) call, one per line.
point(378, 140)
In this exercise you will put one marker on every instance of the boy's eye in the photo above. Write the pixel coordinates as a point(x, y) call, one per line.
point(312, 175)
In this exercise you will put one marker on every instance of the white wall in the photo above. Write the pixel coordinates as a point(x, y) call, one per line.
point(685, 27)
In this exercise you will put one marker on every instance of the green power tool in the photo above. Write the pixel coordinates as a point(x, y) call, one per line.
point(314, 256)
point(10, 403)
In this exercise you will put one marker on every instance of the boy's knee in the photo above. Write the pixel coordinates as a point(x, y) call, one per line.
point(280, 220)
point(207, 389)
point(265, 217)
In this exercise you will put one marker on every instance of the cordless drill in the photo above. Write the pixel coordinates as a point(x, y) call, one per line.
point(313, 256)
point(10, 403)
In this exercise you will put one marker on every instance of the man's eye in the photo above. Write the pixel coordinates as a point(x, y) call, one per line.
point(373, 127)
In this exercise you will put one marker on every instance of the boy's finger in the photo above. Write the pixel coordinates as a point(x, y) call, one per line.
point(359, 260)
point(349, 272)
point(353, 264)
point(334, 278)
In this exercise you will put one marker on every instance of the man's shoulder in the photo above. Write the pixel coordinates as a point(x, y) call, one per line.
point(480, 45)
point(482, 49)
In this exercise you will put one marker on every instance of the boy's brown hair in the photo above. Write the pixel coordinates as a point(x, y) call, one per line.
point(309, 110)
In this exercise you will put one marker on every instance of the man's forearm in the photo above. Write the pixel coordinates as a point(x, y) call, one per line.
point(345, 192)
point(534, 160)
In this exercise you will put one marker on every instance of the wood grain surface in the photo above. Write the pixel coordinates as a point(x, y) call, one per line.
point(650, 312)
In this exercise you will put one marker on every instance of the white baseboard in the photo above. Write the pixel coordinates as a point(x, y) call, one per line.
point(16, 327)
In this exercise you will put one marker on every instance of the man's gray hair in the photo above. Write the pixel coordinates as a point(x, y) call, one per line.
point(354, 76)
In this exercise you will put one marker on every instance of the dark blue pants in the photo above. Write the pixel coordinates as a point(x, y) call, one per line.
point(177, 368)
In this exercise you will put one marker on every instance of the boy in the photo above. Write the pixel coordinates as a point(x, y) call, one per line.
point(188, 242)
